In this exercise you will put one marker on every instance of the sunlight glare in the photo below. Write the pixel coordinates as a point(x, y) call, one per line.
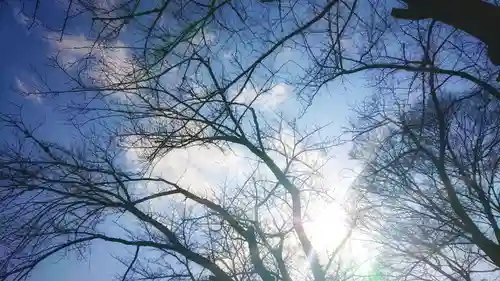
point(328, 226)
point(327, 229)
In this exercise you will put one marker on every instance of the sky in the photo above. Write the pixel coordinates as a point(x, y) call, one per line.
point(24, 64)
point(27, 51)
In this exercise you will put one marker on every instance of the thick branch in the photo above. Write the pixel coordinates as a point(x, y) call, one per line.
point(478, 18)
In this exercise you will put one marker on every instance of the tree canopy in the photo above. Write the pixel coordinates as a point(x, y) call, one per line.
point(196, 143)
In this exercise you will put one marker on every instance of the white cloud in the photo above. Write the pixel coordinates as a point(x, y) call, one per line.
point(71, 48)
point(20, 17)
point(267, 100)
point(277, 95)
point(200, 170)
point(27, 89)
point(204, 36)
point(20, 86)
point(110, 64)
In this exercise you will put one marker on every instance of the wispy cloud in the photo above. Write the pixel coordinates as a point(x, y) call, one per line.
point(71, 48)
point(27, 21)
point(109, 65)
point(204, 37)
point(267, 100)
point(20, 17)
point(27, 89)
point(108, 7)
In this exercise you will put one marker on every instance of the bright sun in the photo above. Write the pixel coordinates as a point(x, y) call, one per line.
point(328, 228)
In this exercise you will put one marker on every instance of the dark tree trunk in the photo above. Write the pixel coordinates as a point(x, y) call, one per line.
point(478, 18)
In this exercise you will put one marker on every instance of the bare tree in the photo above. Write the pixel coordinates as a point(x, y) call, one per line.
point(431, 172)
point(192, 74)
point(478, 18)
point(382, 47)
point(171, 88)
point(57, 199)
point(426, 137)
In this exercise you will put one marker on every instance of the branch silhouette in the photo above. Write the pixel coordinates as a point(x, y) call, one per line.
point(477, 18)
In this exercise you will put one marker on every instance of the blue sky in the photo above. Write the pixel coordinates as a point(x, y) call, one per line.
point(27, 51)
